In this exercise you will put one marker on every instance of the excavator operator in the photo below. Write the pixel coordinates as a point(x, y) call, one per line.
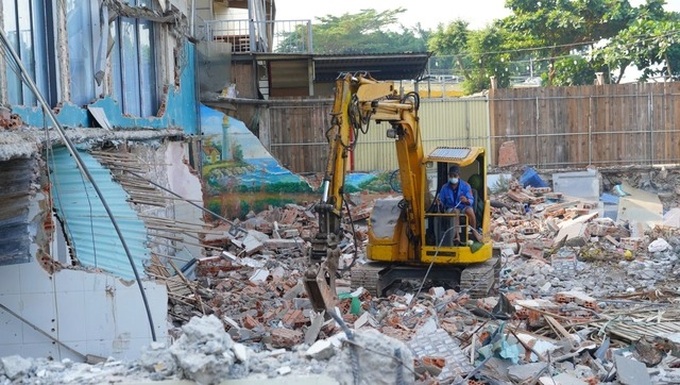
point(456, 196)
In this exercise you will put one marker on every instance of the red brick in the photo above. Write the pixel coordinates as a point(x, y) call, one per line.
point(531, 251)
point(293, 318)
point(286, 338)
point(438, 362)
point(507, 154)
point(249, 322)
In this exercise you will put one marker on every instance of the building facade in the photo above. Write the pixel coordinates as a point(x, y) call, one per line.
point(99, 104)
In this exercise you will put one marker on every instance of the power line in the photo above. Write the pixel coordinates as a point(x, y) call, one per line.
point(575, 44)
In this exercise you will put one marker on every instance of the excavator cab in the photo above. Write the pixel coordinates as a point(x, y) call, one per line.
point(460, 254)
point(449, 237)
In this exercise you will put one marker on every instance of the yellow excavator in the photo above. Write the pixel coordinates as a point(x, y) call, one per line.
point(409, 236)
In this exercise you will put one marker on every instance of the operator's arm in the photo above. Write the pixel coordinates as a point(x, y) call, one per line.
point(446, 196)
point(466, 191)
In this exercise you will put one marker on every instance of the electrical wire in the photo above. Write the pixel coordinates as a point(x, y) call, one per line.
point(429, 268)
point(36, 328)
point(79, 162)
point(641, 37)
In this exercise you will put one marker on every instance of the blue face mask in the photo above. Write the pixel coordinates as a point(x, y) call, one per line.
point(453, 180)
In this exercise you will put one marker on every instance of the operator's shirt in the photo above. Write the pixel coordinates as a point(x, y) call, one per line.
point(450, 195)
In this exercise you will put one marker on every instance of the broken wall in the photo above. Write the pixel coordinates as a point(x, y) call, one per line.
point(239, 174)
point(111, 102)
point(67, 293)
point(73, 313)
point(48, 308)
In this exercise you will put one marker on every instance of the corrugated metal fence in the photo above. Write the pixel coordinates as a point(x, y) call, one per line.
point(297, 136)
point(551, 126)
point(443, 122)
point(599, 125)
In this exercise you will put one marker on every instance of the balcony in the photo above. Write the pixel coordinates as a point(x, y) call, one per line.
point(246, 36)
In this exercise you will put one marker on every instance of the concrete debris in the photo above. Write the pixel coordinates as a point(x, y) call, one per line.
point(583, 297)
point(15, 366)
point(321, 350)
point(631, 372)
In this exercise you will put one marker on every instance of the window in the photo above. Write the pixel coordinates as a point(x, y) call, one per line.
point(79, 18)
point(133, 62)
point(86, 42)
point(29, 28)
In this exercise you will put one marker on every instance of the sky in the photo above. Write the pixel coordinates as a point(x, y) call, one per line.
point(433, 12)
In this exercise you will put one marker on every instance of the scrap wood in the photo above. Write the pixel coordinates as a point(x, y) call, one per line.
point(526, 346)
point(633, 331)
point(157, 268)
point(649, 295)
point(560, 330)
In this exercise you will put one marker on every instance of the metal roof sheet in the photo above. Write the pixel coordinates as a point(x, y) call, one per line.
point(402, 66)
point(450, 152)
point(463, 156)
point(87, 225)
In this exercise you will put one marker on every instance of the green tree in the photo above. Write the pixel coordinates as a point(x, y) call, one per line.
point(366, 32)
point(452, 40)
point(471, 52)
point(488, 59)
point(562, 26)
point(651, 43)
point(572, 71)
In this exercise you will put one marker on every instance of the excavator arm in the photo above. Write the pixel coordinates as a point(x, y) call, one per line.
point(358, 100)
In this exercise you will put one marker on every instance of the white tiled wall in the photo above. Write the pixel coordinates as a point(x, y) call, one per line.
point(89, 312)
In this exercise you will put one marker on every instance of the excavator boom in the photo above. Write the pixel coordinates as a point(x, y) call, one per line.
point(358, 100)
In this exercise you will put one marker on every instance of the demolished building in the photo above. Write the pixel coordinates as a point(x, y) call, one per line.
point(72, 289)
point(116, 92)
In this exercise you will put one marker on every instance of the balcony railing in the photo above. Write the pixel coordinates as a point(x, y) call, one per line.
point(246, 36)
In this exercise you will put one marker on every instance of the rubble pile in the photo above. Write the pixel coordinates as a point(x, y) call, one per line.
point(576, 294)
point(582, 298)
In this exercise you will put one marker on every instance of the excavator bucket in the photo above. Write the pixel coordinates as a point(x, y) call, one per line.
point(320, 286)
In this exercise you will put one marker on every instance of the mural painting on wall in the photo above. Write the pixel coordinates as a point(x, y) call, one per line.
point(239, 174)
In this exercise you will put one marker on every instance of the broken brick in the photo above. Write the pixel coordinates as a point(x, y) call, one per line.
point(294, 318)
point(249, 322)
point(507, 154)
point(286, 338)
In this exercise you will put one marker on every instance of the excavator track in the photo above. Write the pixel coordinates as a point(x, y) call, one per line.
point(367, 276)
point(478, 279)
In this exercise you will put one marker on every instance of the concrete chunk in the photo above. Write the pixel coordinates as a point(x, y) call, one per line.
point(561, 379)
point(631, 372)
point(260, 275)
point(441, 344)
point(321, 350)
point(276, 244)
point(251, 244)
point(312, 332)
point(365, 319)
point(522, 373)
point(15, 366)
point(575, 230)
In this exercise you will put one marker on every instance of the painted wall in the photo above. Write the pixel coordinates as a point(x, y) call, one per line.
point(239, 174)
point(178, 109)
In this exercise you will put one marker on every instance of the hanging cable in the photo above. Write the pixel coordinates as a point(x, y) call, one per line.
point(81, 166)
